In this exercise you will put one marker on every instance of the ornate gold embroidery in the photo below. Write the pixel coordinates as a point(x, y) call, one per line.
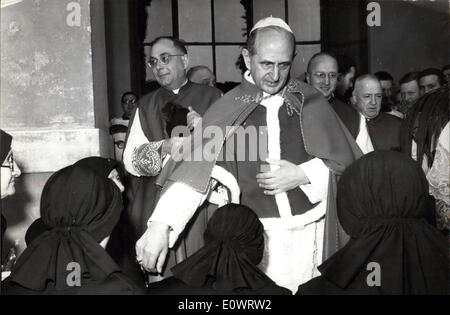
point(146, 159)
point(252, 98)
point(293, 87)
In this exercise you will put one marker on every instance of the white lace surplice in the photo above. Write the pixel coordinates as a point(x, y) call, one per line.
point(438, 178)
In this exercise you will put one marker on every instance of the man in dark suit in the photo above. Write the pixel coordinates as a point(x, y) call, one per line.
point(371, 128)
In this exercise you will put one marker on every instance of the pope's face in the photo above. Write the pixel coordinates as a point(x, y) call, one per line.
point(270, 65)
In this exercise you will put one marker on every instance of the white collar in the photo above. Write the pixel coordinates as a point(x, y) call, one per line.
point(248, 77)
point(176, 91)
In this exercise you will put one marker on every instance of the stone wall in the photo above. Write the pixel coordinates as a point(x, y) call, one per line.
point(53, 94)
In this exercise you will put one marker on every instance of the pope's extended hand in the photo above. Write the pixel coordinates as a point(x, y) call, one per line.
point(288, 176)
point(153, 246)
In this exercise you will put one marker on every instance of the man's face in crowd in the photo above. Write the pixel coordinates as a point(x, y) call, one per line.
point(204, 76)
point(323, 75)
point(128, 104)
point(172, 75)
point(429, 83)
point(345, 82)
point(447, 76)
point(386, 87)
point(367, 97)
point(270, 65)
point(119, 144)
point(409, 92)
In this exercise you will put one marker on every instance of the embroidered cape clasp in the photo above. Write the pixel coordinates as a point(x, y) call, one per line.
point(293, 87)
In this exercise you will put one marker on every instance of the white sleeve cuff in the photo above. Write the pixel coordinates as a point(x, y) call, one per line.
point(176, 207)
point(228, 180)
point(136, 138)
point(317, 173)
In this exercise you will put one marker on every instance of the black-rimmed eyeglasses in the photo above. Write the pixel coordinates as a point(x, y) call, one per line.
point(323, 75)
point(120, 144)
point(10, 162)
point(163, 58)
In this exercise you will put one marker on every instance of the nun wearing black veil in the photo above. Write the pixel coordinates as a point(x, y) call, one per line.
point(227, 264)
point(382, 204)
point(79, 209)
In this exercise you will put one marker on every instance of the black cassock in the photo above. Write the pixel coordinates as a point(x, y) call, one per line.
point(159, 112)
point(384, 130)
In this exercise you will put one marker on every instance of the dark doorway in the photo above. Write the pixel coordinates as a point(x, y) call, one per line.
point(344, 30)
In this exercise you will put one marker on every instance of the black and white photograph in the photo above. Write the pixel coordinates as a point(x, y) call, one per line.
point(225, 152)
